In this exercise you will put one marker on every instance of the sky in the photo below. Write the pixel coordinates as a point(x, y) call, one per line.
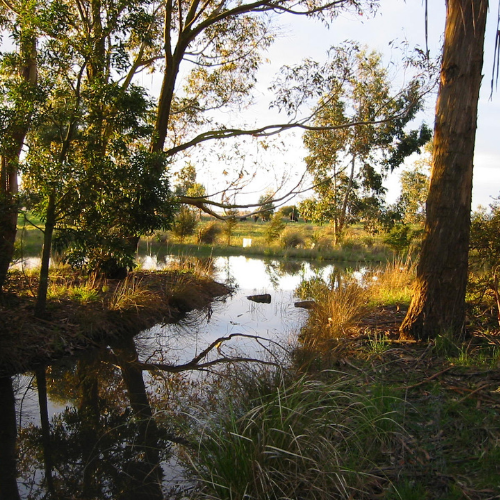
point(396, 20)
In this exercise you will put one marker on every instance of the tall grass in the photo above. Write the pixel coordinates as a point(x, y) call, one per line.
point(131, 294)
point(338, 305)
point(307, 440)
point(392, 284)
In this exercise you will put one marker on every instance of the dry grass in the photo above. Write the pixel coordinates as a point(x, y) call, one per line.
point(336, 310)
point(392, 284)
point(131, 293)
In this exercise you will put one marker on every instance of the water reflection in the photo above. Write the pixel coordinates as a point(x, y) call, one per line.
point(105, 443)
point(103, 426)
point(8, 434)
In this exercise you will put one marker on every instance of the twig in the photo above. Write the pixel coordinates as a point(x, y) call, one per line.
point(482, 386)
point(429, 346)
point(428, 379)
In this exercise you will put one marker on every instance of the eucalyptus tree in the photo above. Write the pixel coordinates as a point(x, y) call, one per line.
point(343, 159)
point(210, 54)
point(438, 303)
point(224, 41)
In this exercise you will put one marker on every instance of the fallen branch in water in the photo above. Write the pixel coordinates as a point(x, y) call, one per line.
point(198, 363)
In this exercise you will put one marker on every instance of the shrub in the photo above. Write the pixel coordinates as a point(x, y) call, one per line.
point(208, 233)
point(291, 238)
point(399, 237)
point(184, 224)
point(274, 228)
point(230, 224)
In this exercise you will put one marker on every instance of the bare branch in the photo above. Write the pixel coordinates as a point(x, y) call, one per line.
point(197, 362)
point(269, 130)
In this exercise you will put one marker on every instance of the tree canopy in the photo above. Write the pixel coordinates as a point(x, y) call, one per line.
point(348, 164)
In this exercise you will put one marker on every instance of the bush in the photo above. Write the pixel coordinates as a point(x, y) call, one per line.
point(230, 225)
point(184, 224)
point(399, 237)
point(274, 228)
point(292, 239)
point(208, 233)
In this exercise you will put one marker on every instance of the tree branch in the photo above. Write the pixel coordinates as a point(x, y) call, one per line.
point(197, 364)
point(269, 130)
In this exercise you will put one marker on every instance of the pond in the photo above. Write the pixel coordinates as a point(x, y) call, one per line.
point(106, 425)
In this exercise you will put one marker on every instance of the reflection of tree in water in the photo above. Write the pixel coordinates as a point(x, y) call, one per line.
point(100, 448)
point(114, 435)
point(277, 269)
point(8, 483)
point(317, 284)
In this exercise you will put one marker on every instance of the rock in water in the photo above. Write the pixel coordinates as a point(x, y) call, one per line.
point(264, 298)
point(305, 304)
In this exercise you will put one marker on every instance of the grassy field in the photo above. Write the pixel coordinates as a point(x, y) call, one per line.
point(298, 240)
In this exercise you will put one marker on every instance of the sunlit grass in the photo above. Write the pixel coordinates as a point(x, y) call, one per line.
point(131, 294)
point(391, 284)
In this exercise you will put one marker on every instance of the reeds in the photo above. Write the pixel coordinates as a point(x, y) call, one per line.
point(308, 440)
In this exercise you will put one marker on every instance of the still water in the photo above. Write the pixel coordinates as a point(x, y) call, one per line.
point(105, 425)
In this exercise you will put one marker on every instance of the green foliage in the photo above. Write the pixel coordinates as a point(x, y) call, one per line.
point(415, 187)
point(485, 237)
point(483, 283)
point(359, 91)
point(401, 236)
point(230, 224)
point(274, 228)
point(290, 211)
point(185, 223)
point(266, 209)
point(186, 184)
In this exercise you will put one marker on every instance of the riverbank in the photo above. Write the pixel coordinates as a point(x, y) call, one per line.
point(84, 312)
point(359, 413)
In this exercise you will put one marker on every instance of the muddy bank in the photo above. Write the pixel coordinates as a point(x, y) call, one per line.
point(115, 309)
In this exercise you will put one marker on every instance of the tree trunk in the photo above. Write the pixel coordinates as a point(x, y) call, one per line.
point(345, 201)
point(43, 286)
point(8, 212)
point(438, 303)
point(11, 149)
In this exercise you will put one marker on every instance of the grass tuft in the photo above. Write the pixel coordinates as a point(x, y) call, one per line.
point(391, 284)
point(307, 440)
point(131, 294)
